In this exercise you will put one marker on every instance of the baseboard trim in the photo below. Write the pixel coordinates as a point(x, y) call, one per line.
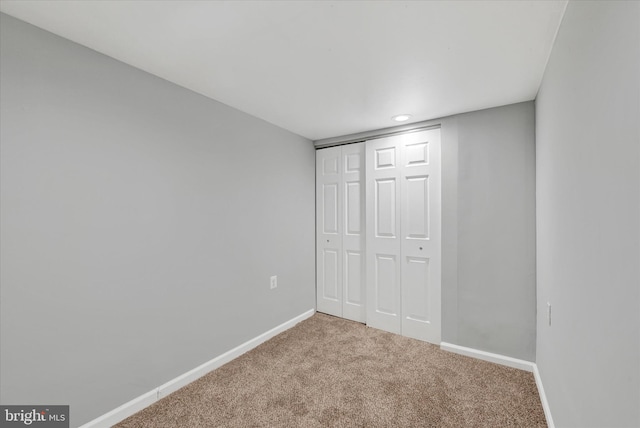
point(543, 397)
point(488, 356)
point(188, 377)
point(120, 413)
point(510, 362)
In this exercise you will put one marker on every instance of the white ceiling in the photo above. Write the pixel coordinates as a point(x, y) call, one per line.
point(322, 68)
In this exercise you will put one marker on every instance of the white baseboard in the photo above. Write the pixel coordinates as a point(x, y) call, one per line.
point(119, 414)
point(543, 397)
point(488, 356)
point(510, 362)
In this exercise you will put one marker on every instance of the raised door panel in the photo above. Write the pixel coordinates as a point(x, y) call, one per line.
point(385, 208)
point(385, 284)
point(330, 278)
point(354, 269)
point(415, 283)
point(330, 209)
point(416, 224)
point(353, 208)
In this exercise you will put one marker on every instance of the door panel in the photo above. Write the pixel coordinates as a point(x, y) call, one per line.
point(416, 282)
point(330, 163)
point(330, 210)
point(417, 154)
point(385, 157)
point(420, 231)
point(353, 210)
point(382, 237)
point(340, 231)
point(403, 234)
point(385, 208)
point(354, 269)
point(386, 284)
point(353, 306)
point(328, 231)
point(417, 215)
point(330, 275)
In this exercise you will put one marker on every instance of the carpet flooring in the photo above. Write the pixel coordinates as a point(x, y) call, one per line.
point(330, 372)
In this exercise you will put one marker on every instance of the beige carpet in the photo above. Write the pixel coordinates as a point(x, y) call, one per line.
point(329, 372)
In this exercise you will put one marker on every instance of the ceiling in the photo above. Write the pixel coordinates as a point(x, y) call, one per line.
point(322, 68)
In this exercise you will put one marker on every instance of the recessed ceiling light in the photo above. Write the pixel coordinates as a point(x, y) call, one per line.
point(401, 117)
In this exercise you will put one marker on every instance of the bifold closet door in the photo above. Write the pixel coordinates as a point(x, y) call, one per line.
point(340, 231)
point(403, 234)
point(353, 245)
point(383, 234)
point(329, 231)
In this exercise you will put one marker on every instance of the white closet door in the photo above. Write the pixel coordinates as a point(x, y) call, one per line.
point(353, 306)
point(420, 231)
point(403, 234)
point(383, 234)
point(329, 230)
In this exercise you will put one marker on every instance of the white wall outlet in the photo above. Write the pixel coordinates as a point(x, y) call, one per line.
point(274, 282)
point(549, 312)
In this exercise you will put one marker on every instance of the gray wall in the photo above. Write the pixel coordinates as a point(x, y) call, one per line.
point(140, 225)
point(496, 265)
point(588, 217)
point(449, 199)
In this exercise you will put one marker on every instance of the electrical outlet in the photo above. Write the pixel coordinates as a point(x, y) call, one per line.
point(274, 282)
point(549, 312)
